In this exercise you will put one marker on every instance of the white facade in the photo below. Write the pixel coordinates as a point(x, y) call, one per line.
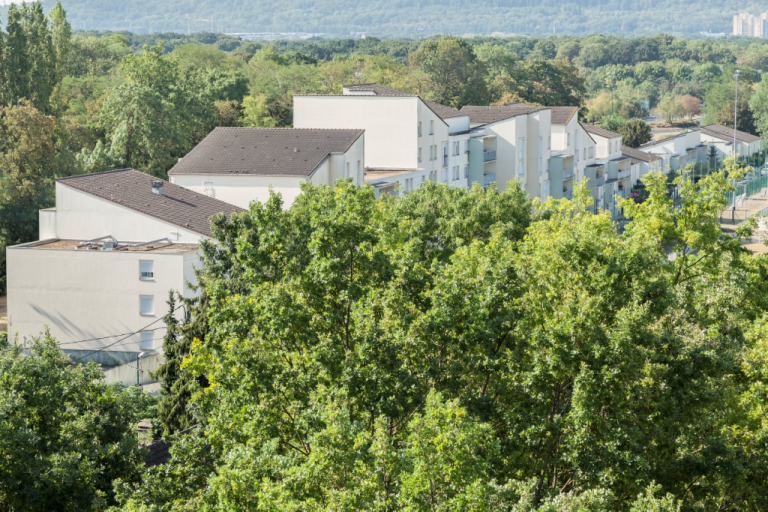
point(91, 299)
point(243, 189)
point(402, 133)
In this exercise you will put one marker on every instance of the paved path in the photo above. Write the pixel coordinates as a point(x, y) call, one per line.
point(3, 314)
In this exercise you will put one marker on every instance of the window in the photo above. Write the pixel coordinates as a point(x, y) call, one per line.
point(148, 340)
point(419, 154)
point(147, 305)
point(521, 148)
point(585, 153)
point(549, 142)
point(591, 151)
point(466, 171)
point(568, 139)
point(445, 155)
point(431, 127)
point(455, 149)
point(146, 270)
point(346, 170)
point(419, 128)
point(445, 175)
point(455, 172)
point(541, 156)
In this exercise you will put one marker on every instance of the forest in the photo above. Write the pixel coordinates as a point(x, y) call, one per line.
point(409, 18)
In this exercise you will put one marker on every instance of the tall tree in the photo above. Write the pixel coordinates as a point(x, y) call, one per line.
point(457, 77)
point(61, 35)
point(635, 133)
point(41, 54)
point(16, 61)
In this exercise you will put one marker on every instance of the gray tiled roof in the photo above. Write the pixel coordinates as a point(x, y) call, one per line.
point(600, 132)
point(718, 130)
point(265, 151)
point(442, 111)
point(488, 115)
point(561, 115)
point(639, 155)
point(376, 89)
point(133, 189)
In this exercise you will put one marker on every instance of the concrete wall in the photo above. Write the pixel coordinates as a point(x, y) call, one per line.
point(390, 124)
point(81, 216)
point(47, 223)
point(126, 374)
point(82, 295)
point(439, 136)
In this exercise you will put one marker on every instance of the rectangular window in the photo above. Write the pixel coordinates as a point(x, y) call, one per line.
point(445, 155)
point(419, 128)
point(146, 270)
point(148, 340)
point(431, 127)
point(445, 175)
point(466, 171)
point(568, 139)
point(419, 154)
point(521, 148)
point(147, 305)
point(549, 142)
point(591, 151)
point(585, 153)
point(346, 170)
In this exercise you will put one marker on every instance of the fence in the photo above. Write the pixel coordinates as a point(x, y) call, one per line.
point(745, 189)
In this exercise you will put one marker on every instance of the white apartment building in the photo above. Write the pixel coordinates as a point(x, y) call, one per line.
point(109, 253)
point(751, 26)
point(722, 138)
point(642, 163)
point(610, 174)
point(572, 150)
point(510, 143)
point(408, 140)
point(678, 151)
point(241, 165)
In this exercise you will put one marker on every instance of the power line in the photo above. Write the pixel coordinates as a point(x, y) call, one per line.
point(122, 339)
point(107, 337)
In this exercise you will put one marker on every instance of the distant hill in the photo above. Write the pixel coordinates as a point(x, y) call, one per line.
point(410, 17)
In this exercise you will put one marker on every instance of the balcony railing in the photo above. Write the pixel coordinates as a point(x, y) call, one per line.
point(624, 174)
point(488, 179)
point(567, 174)
point(600, 181)
point(489, 156)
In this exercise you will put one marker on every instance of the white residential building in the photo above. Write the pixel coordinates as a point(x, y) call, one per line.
point(721, 137)
point(241, 165)
point(510, 143)
point(678, 151)
point(609, 176)
point(572, 151)
point(109, 253)
point(408, 140)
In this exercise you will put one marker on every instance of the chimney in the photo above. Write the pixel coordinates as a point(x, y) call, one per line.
point(157, 187)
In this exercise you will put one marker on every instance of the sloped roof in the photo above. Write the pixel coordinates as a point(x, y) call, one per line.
point(639, 155)
point(376, 89)
point(133, 189)
point(265, 151)
point(562, 115)
point(442, 111)
point(488, 115)
point(600, 132)
point(720, 131)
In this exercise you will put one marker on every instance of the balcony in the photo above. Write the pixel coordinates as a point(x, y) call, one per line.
point(567, 174)
point(623, 175)
point(488, 179)
point(600, 181)
point(489, 156)
point(445, 160)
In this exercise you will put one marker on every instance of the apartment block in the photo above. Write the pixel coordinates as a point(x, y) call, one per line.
point(748, 25)
point(408, 139)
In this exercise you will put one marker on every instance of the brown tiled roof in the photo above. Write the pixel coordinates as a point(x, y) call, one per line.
point(488, 115)
point(718, 130)
point(600, 132)
point(265, 151)
point(442, 111)
point(377, 90)
point(133, 189)
point(561, 115)
point(638, 155)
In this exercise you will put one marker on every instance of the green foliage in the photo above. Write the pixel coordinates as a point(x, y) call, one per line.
point(635, 133)
point(64, 434)
point(455, 74)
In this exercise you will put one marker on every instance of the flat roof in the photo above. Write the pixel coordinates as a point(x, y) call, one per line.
point(80, 245)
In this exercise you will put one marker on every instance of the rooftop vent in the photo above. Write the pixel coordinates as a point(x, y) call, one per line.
point(157, 187)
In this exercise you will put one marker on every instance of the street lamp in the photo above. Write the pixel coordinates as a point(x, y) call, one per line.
point(735, 110)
